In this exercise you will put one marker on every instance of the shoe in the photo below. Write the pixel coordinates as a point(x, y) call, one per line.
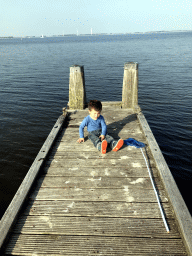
point(118, 145)
point(104, 147)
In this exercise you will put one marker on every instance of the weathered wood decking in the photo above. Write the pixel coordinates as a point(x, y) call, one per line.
point(86, 203)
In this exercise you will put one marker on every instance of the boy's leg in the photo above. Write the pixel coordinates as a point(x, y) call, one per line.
point(110, 140)
point(94, 137)
point(118, 144)
point(103, 147)
point(114, 144)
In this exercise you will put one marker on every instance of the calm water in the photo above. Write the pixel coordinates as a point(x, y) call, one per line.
point(34, 79)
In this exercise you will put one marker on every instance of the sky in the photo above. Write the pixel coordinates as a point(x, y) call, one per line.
point(20, 18)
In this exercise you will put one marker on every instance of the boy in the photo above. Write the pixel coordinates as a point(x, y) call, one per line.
point(97, 129)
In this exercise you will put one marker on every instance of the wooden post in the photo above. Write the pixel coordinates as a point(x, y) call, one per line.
point(130, 85)
point(76, 87)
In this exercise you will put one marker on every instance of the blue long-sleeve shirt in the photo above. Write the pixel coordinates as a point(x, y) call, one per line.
point(93, 125)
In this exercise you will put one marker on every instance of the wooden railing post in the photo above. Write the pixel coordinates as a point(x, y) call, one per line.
point(76, 87)
point(130, 85)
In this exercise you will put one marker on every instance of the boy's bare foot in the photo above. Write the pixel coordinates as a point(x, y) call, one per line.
point(104, 147)
point(118, 145)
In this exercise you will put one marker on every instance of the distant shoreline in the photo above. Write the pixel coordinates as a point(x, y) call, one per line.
point(96, 34)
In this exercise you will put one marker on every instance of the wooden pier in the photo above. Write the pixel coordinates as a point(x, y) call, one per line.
point(76, 201)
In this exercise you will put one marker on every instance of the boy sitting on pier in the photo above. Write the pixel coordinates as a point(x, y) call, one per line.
point(97, 129)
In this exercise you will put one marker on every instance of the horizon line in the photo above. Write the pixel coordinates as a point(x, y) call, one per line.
point(100, 33)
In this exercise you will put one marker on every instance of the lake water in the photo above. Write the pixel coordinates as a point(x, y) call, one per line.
point(34, 81)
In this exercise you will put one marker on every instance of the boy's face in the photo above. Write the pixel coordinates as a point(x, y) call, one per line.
point(94, 114)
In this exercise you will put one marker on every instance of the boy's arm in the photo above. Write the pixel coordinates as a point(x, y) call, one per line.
point(81, 130)
point(104, 127)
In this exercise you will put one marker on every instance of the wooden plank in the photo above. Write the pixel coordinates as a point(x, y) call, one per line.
point(97, 209)
point(95, 226)
point(87, 149)
point(118, 125)
point(132, 128)
point(87, 146)
point(97, 182)
point(111, 125)
point(123, 135)
point(99, 171)
point(100, 161)
point(15, 205)
point(113, 122)
point(181, 211)
point(92, 245)
point(74, 137)
point(119, 156)
point(116, 105)
point(106, 107)
point(111, 117)
point(130, 155)
point(98, 194)
point(111, 114)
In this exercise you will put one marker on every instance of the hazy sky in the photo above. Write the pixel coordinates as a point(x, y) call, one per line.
point(53, 17)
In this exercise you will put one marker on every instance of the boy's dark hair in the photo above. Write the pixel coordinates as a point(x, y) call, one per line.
point(95, 104)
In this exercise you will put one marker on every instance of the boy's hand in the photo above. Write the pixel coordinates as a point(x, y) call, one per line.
point(80, 140)
point(102, 137)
